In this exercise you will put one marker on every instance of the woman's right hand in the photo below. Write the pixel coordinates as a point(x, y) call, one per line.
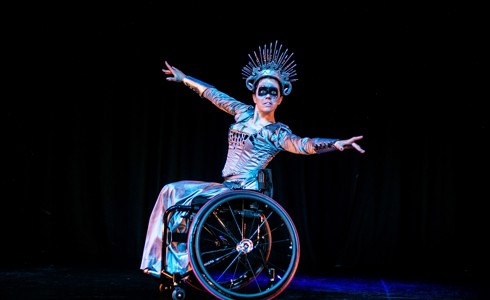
point(178, 75)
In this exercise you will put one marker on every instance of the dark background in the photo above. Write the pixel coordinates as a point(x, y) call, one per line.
point(93, 130)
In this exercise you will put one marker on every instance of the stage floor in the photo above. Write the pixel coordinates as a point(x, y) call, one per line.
point(88, 282)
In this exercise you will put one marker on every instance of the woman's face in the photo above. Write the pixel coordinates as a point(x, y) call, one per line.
point(267, 95)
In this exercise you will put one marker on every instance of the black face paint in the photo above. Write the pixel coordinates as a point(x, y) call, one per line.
point(271, 90)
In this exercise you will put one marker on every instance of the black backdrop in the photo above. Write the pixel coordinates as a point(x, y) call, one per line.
point(93, 130)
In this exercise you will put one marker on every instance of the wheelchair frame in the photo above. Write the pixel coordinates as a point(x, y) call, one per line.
point(241, 244)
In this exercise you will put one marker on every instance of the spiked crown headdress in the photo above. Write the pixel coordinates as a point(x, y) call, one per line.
point(270, 62)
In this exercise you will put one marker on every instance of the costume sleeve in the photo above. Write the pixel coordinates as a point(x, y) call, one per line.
point(290, 142)
point(228, 104)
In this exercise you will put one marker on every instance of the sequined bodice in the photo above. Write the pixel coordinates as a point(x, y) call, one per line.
point(248, 152)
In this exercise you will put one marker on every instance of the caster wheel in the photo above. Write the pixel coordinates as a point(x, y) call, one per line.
point(178, 294)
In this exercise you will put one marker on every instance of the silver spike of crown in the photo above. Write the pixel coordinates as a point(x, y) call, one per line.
point(270, 62)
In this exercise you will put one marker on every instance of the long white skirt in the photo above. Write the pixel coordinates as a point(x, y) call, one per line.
point(181, 193)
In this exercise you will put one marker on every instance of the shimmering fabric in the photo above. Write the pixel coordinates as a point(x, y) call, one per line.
point(181, 192)
point(249, 151)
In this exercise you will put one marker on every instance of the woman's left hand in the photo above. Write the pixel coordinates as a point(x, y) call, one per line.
point(350, 143)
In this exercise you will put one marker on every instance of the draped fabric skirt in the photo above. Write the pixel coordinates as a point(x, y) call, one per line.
point(181, 193)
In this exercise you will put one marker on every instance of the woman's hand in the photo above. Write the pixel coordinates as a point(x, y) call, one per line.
point(350, 143)
point(178, 75)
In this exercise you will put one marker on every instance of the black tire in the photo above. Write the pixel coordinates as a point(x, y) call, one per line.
point(243, 245)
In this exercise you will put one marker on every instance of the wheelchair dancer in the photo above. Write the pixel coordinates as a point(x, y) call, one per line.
point(253, 141)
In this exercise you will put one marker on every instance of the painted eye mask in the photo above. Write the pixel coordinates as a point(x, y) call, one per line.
point(271, 90)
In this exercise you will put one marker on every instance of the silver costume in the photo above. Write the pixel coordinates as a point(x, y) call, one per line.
point(249, 151)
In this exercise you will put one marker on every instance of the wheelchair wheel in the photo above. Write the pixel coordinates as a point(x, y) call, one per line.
point(243, 245)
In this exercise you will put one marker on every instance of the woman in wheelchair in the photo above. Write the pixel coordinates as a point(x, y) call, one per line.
point(254, 139)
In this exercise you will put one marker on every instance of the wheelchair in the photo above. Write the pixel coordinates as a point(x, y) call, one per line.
point(241, 244)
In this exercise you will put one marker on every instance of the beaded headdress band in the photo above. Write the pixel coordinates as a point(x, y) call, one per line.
point(270, 62)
